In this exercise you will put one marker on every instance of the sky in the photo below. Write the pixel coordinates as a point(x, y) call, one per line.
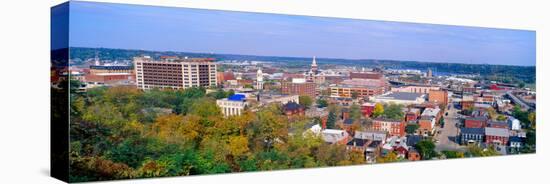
point(226, 32)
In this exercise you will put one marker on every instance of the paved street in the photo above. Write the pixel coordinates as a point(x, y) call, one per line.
point(449, 132)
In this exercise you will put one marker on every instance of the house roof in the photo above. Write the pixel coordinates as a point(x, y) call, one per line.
point(348, 121)
point(237, 97)
point(333, 135)
point(292, 106)
point(387, 120)
point(497, 123)
point(516, 139)
point(478, 118)
point(430, 112)
point(502, 132)
point(374, 144)
point(357, 142)
point(472, 131)
point(413, 139)
point(373, 135)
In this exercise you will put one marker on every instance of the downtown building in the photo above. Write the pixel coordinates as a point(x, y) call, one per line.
point(174, 72)
point(299, 86)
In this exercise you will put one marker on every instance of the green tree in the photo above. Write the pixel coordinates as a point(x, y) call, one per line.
point(477, 151)
point(205, 107)
point(305, 101)
point(452, 154)
point(322, 103)
point(393, 111)
point(331, 120)
point(411, 128)
point(355, 112)
point(426, 148)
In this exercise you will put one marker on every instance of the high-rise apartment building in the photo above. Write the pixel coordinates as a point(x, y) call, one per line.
point(174, 72)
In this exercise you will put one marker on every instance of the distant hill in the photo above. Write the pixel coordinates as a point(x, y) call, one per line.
point(503, 73)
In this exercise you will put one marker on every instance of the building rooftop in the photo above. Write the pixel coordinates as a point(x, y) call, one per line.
point(431, 112)
point(413, 139)
point(497, 124)
point(333, 135)
point(472, 130)
point(237, 97)
point(401, 96)
point(502, 132)
point(357, 142)
point(371, 135)
point(112, 67)
point(290, 106)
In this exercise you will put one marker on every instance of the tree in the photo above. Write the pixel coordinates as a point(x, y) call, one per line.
point(411, 128)
point(426, 148)
point(331, 120)
point(390, 157)
point(532, 117)
point(354, 94)
point(205, 107)
point(378, 110)
point(305, 101)
point(238, 145)
point(492, 113)
point(476, 151)
point(355, 112)
point(356, 157)
point(321, 103)
point(452, 154)
point(502, 118)
point(393, 111)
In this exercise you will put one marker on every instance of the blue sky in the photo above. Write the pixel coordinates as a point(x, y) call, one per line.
point(194, 30)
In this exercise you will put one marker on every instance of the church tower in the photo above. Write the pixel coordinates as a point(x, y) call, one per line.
point(314, 67)
point(259, 79)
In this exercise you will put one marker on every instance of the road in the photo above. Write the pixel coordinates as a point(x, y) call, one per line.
point(448, 137)
point(518, 100)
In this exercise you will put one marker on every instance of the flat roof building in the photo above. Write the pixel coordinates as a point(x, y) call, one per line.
point(404, 98)
point(174, 72)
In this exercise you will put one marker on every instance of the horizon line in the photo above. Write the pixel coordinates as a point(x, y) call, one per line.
point(351, 59)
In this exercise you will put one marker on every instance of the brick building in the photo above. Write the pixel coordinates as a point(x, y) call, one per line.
point(496, 136)
point(438, 96)
point(393, 127)
point(299, 87)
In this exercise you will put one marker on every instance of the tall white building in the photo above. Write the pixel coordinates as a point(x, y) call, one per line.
point(174, 72)
point(259, 79)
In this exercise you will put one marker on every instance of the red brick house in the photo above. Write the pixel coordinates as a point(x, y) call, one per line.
point(412, 114)
point(294, 109)
point(393, 127)
point(496, 136)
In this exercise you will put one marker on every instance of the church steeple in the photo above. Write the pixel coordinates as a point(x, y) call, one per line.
point(314, 68)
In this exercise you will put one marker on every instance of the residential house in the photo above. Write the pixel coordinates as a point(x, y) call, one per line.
point(472, 135)
point(393, 127)
point(334, 136)
point(496, 136)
